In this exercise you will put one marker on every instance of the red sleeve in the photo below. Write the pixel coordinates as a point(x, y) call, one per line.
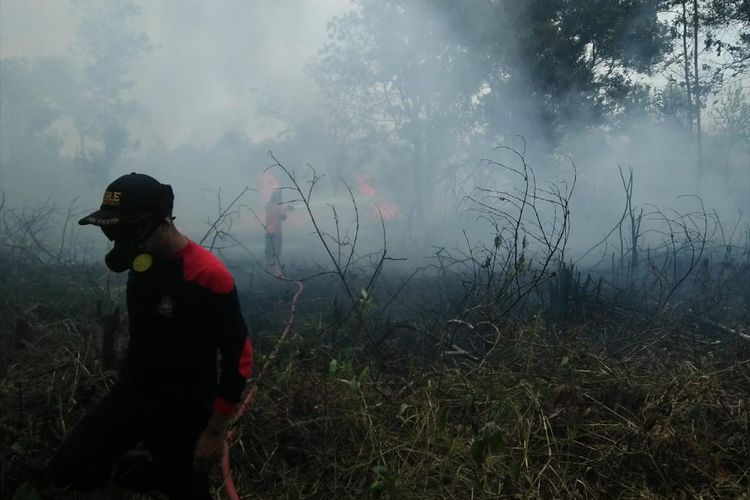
point(235, 348)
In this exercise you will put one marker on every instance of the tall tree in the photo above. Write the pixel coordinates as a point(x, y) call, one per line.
point(731, 117)
point(572, 62)
point(425, 80)
point(728, 34)
point(399, 80)
point(712, 45)
point(111, 43)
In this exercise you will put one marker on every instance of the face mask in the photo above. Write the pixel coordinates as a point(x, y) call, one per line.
point(127, 252)
point(126, 256)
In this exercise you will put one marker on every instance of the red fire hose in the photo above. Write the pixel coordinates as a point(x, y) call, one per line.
point(226, 466)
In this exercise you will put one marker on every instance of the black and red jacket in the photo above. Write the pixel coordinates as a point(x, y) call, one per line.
point(182, 312)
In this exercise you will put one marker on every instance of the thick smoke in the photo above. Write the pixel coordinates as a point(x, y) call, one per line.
point(397, 103)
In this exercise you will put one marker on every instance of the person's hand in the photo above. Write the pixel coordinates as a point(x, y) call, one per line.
point(208, 449)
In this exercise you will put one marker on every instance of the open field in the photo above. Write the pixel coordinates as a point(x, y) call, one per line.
point(616, 405)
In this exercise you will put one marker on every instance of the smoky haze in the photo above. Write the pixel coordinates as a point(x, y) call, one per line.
point(403, 102)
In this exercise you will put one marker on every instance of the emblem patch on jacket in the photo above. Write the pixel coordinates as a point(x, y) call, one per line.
point(165, 307)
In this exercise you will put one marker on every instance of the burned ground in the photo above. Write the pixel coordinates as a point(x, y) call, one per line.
point(610, 403)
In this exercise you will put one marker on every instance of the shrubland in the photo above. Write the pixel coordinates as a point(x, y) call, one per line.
point(500, 369)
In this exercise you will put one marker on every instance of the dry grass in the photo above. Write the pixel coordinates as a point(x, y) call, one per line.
point(539, 417)
point(534, 421)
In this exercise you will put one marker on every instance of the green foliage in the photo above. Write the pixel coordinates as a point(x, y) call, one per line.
point(488, 440)
point(26, 492)
point(573, 61)
point(732, 116)
point(383, 481)
point(733, 16)
point(720, 54)
point(333, 367)
point(416, 87)
point(357, 383)
point(367, 302)
point(449, 66)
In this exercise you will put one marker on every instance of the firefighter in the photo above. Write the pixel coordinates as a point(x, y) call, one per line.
point(276, 213)
point(170, 397)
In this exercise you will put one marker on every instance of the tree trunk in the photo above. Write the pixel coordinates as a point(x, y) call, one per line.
point(686, 65)
point(697, 94)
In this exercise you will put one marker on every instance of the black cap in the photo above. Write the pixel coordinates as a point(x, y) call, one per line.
point(132, 197)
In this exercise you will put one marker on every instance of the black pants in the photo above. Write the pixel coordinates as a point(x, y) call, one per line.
point(122, 419)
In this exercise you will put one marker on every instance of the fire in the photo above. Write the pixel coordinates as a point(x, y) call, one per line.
point(388, 210)
point(364, 184)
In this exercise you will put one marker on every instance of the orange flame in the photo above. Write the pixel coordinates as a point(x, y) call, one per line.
point(388, 210)
point(364, 185)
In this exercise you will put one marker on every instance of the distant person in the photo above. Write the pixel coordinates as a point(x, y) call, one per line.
point(183, 310)
point(275, 214)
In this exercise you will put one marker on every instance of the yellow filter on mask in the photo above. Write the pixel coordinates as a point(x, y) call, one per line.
point(142, 262)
